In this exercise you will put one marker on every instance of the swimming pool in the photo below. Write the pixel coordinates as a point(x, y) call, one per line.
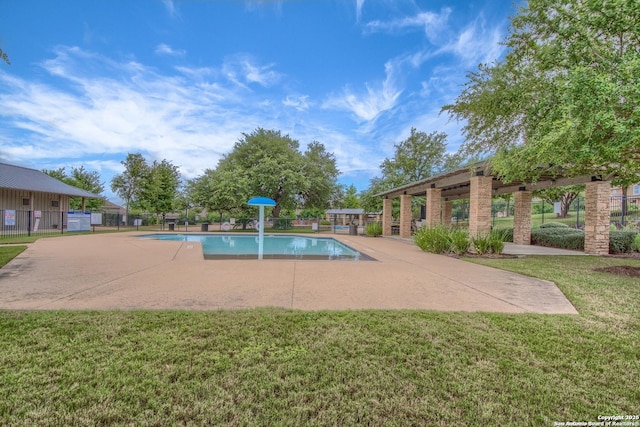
point(244, 246)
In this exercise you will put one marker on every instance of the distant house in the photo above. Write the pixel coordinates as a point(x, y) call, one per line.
point(632, 191)
point(29, 194)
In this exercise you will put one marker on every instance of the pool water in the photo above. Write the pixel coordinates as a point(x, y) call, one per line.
point(243, 246)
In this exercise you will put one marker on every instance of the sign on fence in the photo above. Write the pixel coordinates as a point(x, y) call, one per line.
point(10, 218)
point(78, 221)
point(96, 218)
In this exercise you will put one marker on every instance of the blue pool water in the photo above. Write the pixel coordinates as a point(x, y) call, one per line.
point(233, 246)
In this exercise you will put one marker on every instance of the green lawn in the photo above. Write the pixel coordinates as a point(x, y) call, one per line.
point(537, 219)
point(7, 253)
point(282, 367)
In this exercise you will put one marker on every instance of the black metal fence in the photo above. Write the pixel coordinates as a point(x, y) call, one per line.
point(25, 223)
point(625, 212)
point(20, 223)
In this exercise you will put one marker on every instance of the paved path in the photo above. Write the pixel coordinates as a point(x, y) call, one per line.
point(121, 271)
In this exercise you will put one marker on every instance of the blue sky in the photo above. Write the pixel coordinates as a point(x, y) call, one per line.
point(93, 80)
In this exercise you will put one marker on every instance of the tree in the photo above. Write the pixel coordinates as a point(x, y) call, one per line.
point(267, 163)
point(220, 190)
point(565, 195)
point(419, 156)
point(370, 203)
point(160, 187)
point(128, 184)
point(319, 168)
point(83, 179)
point(350, 198)
point(565, 97)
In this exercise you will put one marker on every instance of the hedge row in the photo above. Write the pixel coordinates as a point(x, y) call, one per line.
point(569, 238)
point(558, 235)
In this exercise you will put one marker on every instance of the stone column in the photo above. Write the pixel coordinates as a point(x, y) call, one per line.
point(433, 210)
point(480, 205)
point(447, 212)
point(387, 216)
point(597, 217)
point(405, 215)
point(522, 218)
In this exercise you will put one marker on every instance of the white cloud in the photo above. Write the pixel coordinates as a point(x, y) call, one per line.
point(368, 105)
point(187, 120)
point(359, 5)
point(243, 70)
point(164, 49)
point(299, 102)
point(476, 43)
point(431, 23)
point(171, 7)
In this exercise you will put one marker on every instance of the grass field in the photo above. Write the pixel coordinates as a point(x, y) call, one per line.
point(7, 253)
point(281, 367)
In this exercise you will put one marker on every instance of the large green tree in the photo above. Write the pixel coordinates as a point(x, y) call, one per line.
point(319, 168)
point(565, 98)
point(220, 190)
point(350, 198)
point(159, 189)
point(267, 163)
point(128, 185)
point(418, 157)
point(83, 179)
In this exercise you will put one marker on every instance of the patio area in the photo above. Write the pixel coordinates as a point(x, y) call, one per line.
point(121, 271)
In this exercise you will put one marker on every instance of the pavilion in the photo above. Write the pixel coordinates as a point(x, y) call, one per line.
point(477, 184)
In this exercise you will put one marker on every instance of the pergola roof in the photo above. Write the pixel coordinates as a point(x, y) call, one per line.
point(456, 184)
point(345, 211)
point(21, 178)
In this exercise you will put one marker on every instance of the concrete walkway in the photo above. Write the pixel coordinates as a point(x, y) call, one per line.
point(121, 271)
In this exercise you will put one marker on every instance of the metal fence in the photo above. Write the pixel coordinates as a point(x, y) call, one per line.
point(625, 212)
point(25, 223)
point(21, 223)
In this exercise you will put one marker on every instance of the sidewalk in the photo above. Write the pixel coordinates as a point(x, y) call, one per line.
point(121, 271)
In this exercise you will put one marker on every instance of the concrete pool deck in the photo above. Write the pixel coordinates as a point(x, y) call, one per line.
point(121, 271)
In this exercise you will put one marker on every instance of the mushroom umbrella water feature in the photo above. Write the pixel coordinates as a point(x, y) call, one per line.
point(261, 202)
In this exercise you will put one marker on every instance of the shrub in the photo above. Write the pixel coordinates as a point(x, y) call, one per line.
point(482, 244)
point(506, 233)
point(489, 243)
point(558, 237)
point(373, 229)
point(497, 239)
point(636, 243)
point(433, 239)
point(460, 243)
point(554, 225)
point(622, 242)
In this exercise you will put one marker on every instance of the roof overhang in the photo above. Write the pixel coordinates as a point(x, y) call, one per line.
point(457, 184)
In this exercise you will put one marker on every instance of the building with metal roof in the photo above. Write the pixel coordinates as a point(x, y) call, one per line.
point(20, 178)
point(31, 198)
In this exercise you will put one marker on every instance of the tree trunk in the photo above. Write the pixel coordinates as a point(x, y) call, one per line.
point(276, 211)
point(565, 203)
